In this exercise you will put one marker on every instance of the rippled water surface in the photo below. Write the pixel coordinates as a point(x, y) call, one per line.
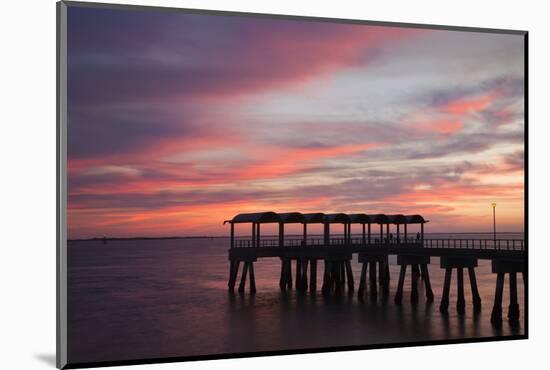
point(143, 299)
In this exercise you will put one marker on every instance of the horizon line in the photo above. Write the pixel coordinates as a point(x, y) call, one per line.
point(220, 236)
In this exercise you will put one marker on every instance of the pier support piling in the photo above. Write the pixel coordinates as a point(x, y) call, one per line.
point(289, 274)
point(342, 272)
point(234, 267)
point(418, 272)
point(513, 308)
point(252, 278)
point(475, 292)
point(415, 262)
point(460, 302)
point(512, 268)
point(282, 279)
point(372, 279)
point(231, 267)
point(385, 284)
point(496, 314)
point(444, 305)
point(427, 285)
point(243, 278)
point(371, 264)
point(337, 273)
point(362, 280)
point(326, 288)
point(337, 277)
point(381, 271)
point(387, 269)
point(303, 280)
point(298, 282)
point(414, 283)
point(399, 294)
point(459, 263)
point(349, 273)
point(313, 276)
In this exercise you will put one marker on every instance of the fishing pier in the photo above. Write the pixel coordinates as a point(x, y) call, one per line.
point(373, 244)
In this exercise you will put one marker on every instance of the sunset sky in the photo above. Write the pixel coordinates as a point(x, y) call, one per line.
point(178, 122)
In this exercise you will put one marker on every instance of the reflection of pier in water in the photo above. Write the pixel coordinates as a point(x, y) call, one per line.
point(373, 248)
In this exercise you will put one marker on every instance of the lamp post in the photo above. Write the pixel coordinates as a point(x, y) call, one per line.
point(494, 224)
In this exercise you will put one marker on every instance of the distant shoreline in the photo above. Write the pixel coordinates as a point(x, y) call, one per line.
point(225, 237)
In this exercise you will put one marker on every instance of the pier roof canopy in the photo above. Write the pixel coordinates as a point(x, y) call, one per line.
point(397, 219)
point(292, 218)
point(360, 218)
point(415, 219)
point(379, 219)
point(260, 218)
point(337, 218)
point(314, 218)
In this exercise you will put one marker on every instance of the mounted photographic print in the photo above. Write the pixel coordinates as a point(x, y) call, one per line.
point(235, 184)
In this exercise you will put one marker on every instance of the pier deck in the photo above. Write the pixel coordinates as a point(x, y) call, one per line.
point(315, 248)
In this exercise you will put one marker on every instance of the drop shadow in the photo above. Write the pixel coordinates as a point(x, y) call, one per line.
point(47, 358)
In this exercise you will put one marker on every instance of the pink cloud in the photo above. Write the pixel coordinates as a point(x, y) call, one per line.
point(463, 106)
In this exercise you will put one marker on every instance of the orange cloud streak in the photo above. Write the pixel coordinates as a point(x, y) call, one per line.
point(469, 105)
point(176, 220)
point(444, 128)
point(284, 162)
point(293, 160)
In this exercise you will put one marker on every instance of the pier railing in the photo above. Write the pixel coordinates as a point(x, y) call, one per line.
point(491, 244)
point(477, 244)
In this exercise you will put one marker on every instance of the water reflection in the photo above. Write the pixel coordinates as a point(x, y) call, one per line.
point(147, 299)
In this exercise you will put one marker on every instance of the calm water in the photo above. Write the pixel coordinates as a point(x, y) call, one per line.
point(160, 298)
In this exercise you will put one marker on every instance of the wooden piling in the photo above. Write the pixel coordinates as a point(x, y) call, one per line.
point(282, 279)
point(399, 293)
point(460, 302)
point(372, 272)
point(372, 279)
point(342, 273)
point(496, 314)
point(341, 276)
point(362, 280)
point(252, 278)
point(337, 276)
point(427, 285)
point(243, 278)
point(387, 269)
point(414, 283)
point(289, 274)
point(233, 276)
point(326, 278)
point(304, 275)
point(334, 276)
point(298, 275)
point(418, 272)
point(231, 267)
point(513, 308)
point(381, 272)
point(349, 273)
point(444, 305)
point(476, 298)
point(313, 276)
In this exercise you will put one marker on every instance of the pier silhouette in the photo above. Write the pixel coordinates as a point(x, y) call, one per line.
point(373, 245)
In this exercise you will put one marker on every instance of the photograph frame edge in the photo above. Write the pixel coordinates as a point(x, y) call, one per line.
point(61, 191)
point(61, 183)
point(279, 16)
